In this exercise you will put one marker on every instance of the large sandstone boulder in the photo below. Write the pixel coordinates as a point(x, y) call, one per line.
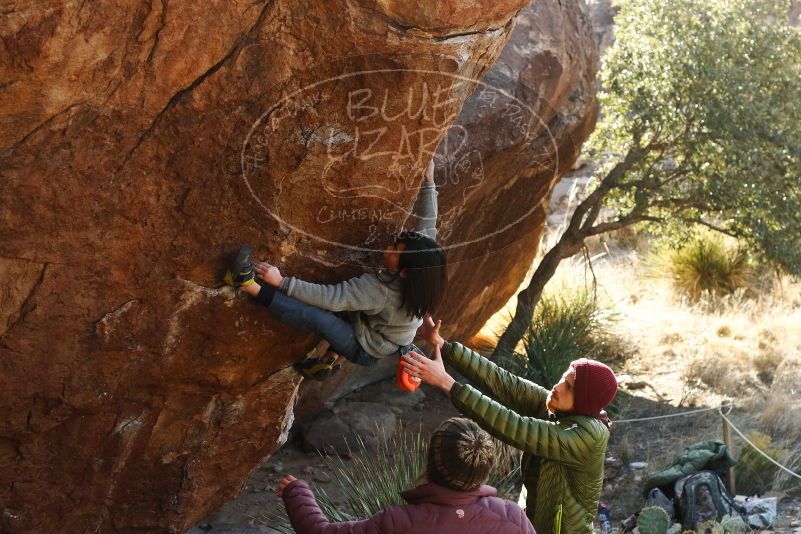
point(141, 142)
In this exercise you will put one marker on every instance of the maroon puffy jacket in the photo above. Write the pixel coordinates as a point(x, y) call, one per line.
point(431, 509)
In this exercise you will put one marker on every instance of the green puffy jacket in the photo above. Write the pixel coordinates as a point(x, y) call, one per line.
point(563, 460)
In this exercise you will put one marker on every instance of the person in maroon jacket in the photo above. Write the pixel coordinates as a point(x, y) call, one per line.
point(455, 501)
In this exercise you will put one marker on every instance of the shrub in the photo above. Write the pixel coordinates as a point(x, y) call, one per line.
point(376, 477)
point(754, 473)
point(707, 265)
point(565, 327)
point(781, 416)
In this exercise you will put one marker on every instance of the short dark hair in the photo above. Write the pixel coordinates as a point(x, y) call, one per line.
point(460, 455)
point(426, 276)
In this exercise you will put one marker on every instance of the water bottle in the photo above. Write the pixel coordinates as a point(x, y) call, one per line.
point(605, 519)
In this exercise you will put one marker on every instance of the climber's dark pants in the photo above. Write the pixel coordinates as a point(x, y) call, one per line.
point(333, 328)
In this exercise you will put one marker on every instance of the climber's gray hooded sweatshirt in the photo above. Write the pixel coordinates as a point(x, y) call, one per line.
point(374, 306)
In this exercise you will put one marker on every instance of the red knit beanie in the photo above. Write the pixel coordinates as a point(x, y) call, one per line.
point(595, 386)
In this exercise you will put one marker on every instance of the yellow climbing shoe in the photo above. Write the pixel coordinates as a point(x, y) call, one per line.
point(241, 273)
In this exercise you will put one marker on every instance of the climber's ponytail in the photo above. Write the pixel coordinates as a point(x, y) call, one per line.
point(426, 275)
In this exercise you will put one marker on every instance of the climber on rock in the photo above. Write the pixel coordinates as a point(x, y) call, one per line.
point(563, 432)
point(364, 319)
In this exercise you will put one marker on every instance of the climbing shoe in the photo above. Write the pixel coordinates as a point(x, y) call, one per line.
point(318, 368)
point(240, 273)
point(407, 382)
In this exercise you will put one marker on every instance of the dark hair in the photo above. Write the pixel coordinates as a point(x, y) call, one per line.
point(426, 273)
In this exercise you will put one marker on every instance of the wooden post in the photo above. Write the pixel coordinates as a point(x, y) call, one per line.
point(727, 440)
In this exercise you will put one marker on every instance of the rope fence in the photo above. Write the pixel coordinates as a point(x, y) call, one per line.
point(724, 410)
point(767, 457)
point(682, 414)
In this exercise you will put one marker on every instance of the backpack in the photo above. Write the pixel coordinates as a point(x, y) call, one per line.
point(702, 497)
point(657, 498)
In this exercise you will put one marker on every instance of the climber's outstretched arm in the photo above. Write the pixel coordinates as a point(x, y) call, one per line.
point(522, 396)
point(425, 209)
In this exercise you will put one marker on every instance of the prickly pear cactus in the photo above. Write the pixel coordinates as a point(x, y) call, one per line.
point(653, 520)
point(732, 524)
point(728, 525)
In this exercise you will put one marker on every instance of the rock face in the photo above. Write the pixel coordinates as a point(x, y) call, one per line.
point(523, 128)
point(602, 15)
point(338, 430)
point(141, 142)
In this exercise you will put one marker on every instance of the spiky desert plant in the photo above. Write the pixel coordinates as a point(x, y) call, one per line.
point(707, 265)
point(754, 472)
point(567, 325)
point(783, 481)
point(729, 524)
point(377, 475)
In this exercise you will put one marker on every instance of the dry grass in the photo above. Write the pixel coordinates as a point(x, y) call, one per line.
point(734, 345)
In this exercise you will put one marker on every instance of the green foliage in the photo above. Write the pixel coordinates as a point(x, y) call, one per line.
point(375, 477)
point(707, 265)
point(755, 473)
point(567, 325)
point(701, 101)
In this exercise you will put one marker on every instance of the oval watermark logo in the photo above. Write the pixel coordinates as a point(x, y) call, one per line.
point(350, 149)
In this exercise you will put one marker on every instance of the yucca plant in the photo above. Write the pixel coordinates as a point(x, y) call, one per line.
point(376, 477)
point(566, 326)
point(706, 265)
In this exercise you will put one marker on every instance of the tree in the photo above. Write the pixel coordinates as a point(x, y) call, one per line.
point(701, 126)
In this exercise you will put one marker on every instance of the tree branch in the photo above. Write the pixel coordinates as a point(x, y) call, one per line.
point(569, 244)
point(591, 206)
point(623, 222)
point(592, 215)
point(695, 220)
point(681, 202)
